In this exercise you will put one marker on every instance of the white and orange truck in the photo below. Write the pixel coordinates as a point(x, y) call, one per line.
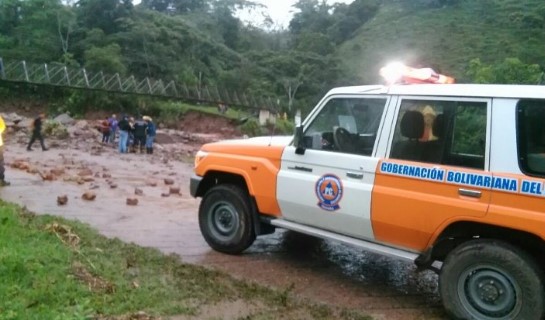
point(449, 175)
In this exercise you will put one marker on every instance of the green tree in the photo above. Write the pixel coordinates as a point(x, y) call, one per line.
point(108, 59)
point(103, 14)
point(510, 71)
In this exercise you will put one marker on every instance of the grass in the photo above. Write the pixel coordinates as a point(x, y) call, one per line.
point(52, 268)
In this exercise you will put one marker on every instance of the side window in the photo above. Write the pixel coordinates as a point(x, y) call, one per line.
point(346, 125)
point(531, 136)
point(442, 132)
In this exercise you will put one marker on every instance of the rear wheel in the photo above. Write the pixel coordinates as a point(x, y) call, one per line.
point(225, 219)
point(492, 280)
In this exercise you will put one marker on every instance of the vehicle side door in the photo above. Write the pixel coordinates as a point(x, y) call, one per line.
point(329, 185)
point(436, 169)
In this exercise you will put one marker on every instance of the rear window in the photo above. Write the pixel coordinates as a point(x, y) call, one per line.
point(445, 132)
point(531, 136)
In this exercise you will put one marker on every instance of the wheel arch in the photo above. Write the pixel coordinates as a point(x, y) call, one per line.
point(213, 178)
point(461, 231)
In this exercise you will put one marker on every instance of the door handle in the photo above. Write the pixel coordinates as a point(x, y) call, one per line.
point(469, 193)
point(354, 175)
point(305, 169)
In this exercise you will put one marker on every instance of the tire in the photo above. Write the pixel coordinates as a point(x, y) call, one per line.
point(225, 219)
point(490, 279)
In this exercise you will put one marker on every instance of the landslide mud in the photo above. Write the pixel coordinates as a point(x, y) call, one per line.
point(312, 268)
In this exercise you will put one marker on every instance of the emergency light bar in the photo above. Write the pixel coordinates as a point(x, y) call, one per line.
point(400, 73)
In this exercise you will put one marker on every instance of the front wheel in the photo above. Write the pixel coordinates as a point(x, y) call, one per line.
point(492, 280)
point(225, 219)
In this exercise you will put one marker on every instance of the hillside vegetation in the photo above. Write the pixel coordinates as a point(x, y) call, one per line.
point(448, 36)
point(203, 43)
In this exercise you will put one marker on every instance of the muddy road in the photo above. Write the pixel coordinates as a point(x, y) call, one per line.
point(319, 270)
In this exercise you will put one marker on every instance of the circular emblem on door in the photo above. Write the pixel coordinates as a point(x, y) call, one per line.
point(329, 190)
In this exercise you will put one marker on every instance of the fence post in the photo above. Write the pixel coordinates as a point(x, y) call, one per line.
point(85, 77)
point(149, 85)
point(119, 82)
point(26, 71)
point(67, 75)
point(47, 78)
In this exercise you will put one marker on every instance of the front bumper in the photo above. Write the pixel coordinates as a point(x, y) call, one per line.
point(194, 183)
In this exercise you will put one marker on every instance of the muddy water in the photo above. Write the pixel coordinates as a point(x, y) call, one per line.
point(319, 270)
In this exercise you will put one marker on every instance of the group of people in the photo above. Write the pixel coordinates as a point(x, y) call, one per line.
point(134, 135)
point(137, 134)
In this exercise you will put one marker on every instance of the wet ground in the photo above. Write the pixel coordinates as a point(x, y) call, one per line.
point(319, 270)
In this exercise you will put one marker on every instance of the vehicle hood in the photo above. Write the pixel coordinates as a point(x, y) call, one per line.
point(258, 146)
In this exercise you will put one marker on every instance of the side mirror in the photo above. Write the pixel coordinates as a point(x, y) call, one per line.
point(299, 141)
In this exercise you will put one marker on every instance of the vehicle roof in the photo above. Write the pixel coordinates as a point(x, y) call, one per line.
point(456, 90)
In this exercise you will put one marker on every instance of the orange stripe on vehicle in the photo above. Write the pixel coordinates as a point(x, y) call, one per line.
point(258, 165)
point(407, 209)
point(523, 210)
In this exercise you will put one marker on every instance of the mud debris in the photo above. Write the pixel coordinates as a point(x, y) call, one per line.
point(89, 196)
point(132, 201)
point(174, 190)
point(62, 200)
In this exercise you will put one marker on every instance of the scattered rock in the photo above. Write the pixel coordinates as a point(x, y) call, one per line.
point(174, 190)
point(47, 176)
point(62, 200)
point(97, 175)
point(106, 175)
point(89, 196)
point(138, 191)
point(88, 179)
point(169, 181)
point(165, 195)
point(94, 186)
point(82, 124)
point(132, 201)
point(57, 171)
point(12, 117)
point(85, 172)
point(32, 170)
point(21, 165)
point(64, 119)
point(152, 183)
point(113, 185)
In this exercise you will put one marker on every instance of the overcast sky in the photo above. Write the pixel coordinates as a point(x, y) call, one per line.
point(280, 11)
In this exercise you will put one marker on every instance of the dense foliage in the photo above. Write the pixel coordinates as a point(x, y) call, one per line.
point(202, 42)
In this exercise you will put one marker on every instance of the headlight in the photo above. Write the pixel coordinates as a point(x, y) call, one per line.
point(200, 156)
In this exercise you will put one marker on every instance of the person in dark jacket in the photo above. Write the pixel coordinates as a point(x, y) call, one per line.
point(140, 127)
point(150, 134)
point(124, 128)
point(37, 132)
